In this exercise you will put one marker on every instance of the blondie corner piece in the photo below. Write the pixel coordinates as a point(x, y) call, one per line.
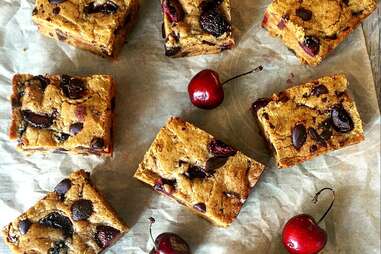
point(204, 174)
point(308, 120)
point(98, 26)
point(196, 27)
point(310, 28)
point(63, 114)
point(74, 218)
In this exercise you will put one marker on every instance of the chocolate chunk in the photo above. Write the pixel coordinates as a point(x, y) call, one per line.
point(311, 45)
point(73, 88)
point(58, 248)
point(43, 81)
point(81, 209)
point(313, 148)
point(35, 11)
point(299, 136)
point(59, 221)
point(214, 163)
point(97, 143)
point(160, 185)
point(283, 97)
point(37, 120)
point(318, 90)
point(315, 136)
point(56, 1)
point(201, 207)
point(172, 51)
point(24, 226)
point(220, 149)
point(212, 20)
point(108, 7)
point(326, 127)
point(105, 235)
point(173, 10)
point(61, 136)
point(75, 128)
point(341, 120)
point(208, 43)
point(63, 187)
point(61, 35)
point(56, 10)
point(331, 37)
point(258, 104)
point(196, 172)
point(304, 14)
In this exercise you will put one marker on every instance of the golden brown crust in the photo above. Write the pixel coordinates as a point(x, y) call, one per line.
point(177, 165)
point(310, 105)
point(41, 235)
point(101, 32)
point(327, 22)
point(75, 123)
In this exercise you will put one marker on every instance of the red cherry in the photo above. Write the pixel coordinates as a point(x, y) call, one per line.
point(168, 243)
point(206, 90)
point(302, 234)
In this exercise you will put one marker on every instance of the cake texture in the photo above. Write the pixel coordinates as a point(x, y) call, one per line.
point(208, 176)
point(313, 28)
point(62, 113)
point(74, 218)
point(308, 120)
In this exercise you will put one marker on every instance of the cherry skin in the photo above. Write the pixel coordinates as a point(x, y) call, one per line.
point(168, 243)
point(302, 235)
point(205, 89)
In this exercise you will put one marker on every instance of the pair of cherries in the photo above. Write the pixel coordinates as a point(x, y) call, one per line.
point(301, 235)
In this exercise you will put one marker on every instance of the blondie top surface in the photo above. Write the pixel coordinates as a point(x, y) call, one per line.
point(310, 119)
point(62, 113)
point(196, 26)
point(74, 218)
point(311, 28)
point(85, 22)
point(200, 172)
point(322, 18)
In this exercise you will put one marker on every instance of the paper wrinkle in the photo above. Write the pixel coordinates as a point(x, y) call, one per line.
point(152, 87)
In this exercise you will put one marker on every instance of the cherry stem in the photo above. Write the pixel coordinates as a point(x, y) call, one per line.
point(152, 221)
point(259, 68)
point(315, 200)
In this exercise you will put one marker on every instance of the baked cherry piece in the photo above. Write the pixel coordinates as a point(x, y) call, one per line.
point(302, 234)
point(168, 243)
point(206, 90)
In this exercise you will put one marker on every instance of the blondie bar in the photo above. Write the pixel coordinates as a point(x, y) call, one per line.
point(305, 121)
point(195, 27)
point(97, 26)
point(74, 218)
point(312, 28)
point(204, 174)
point(62, 113)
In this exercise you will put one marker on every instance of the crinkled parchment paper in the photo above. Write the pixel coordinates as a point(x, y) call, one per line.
point(152, 87)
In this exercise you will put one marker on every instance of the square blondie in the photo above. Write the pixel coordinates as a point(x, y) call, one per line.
point(308, 120)
point(98, 26)
point(208, 176)
point(196, 27)
point(74, 218)
point(312, 28)
point(61, 113)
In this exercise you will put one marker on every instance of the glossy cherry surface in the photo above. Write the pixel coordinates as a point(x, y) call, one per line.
point(303, 235)
point(168, 243)
point(206, 90)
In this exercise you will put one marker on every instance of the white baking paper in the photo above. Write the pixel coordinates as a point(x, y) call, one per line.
point(152, 87)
